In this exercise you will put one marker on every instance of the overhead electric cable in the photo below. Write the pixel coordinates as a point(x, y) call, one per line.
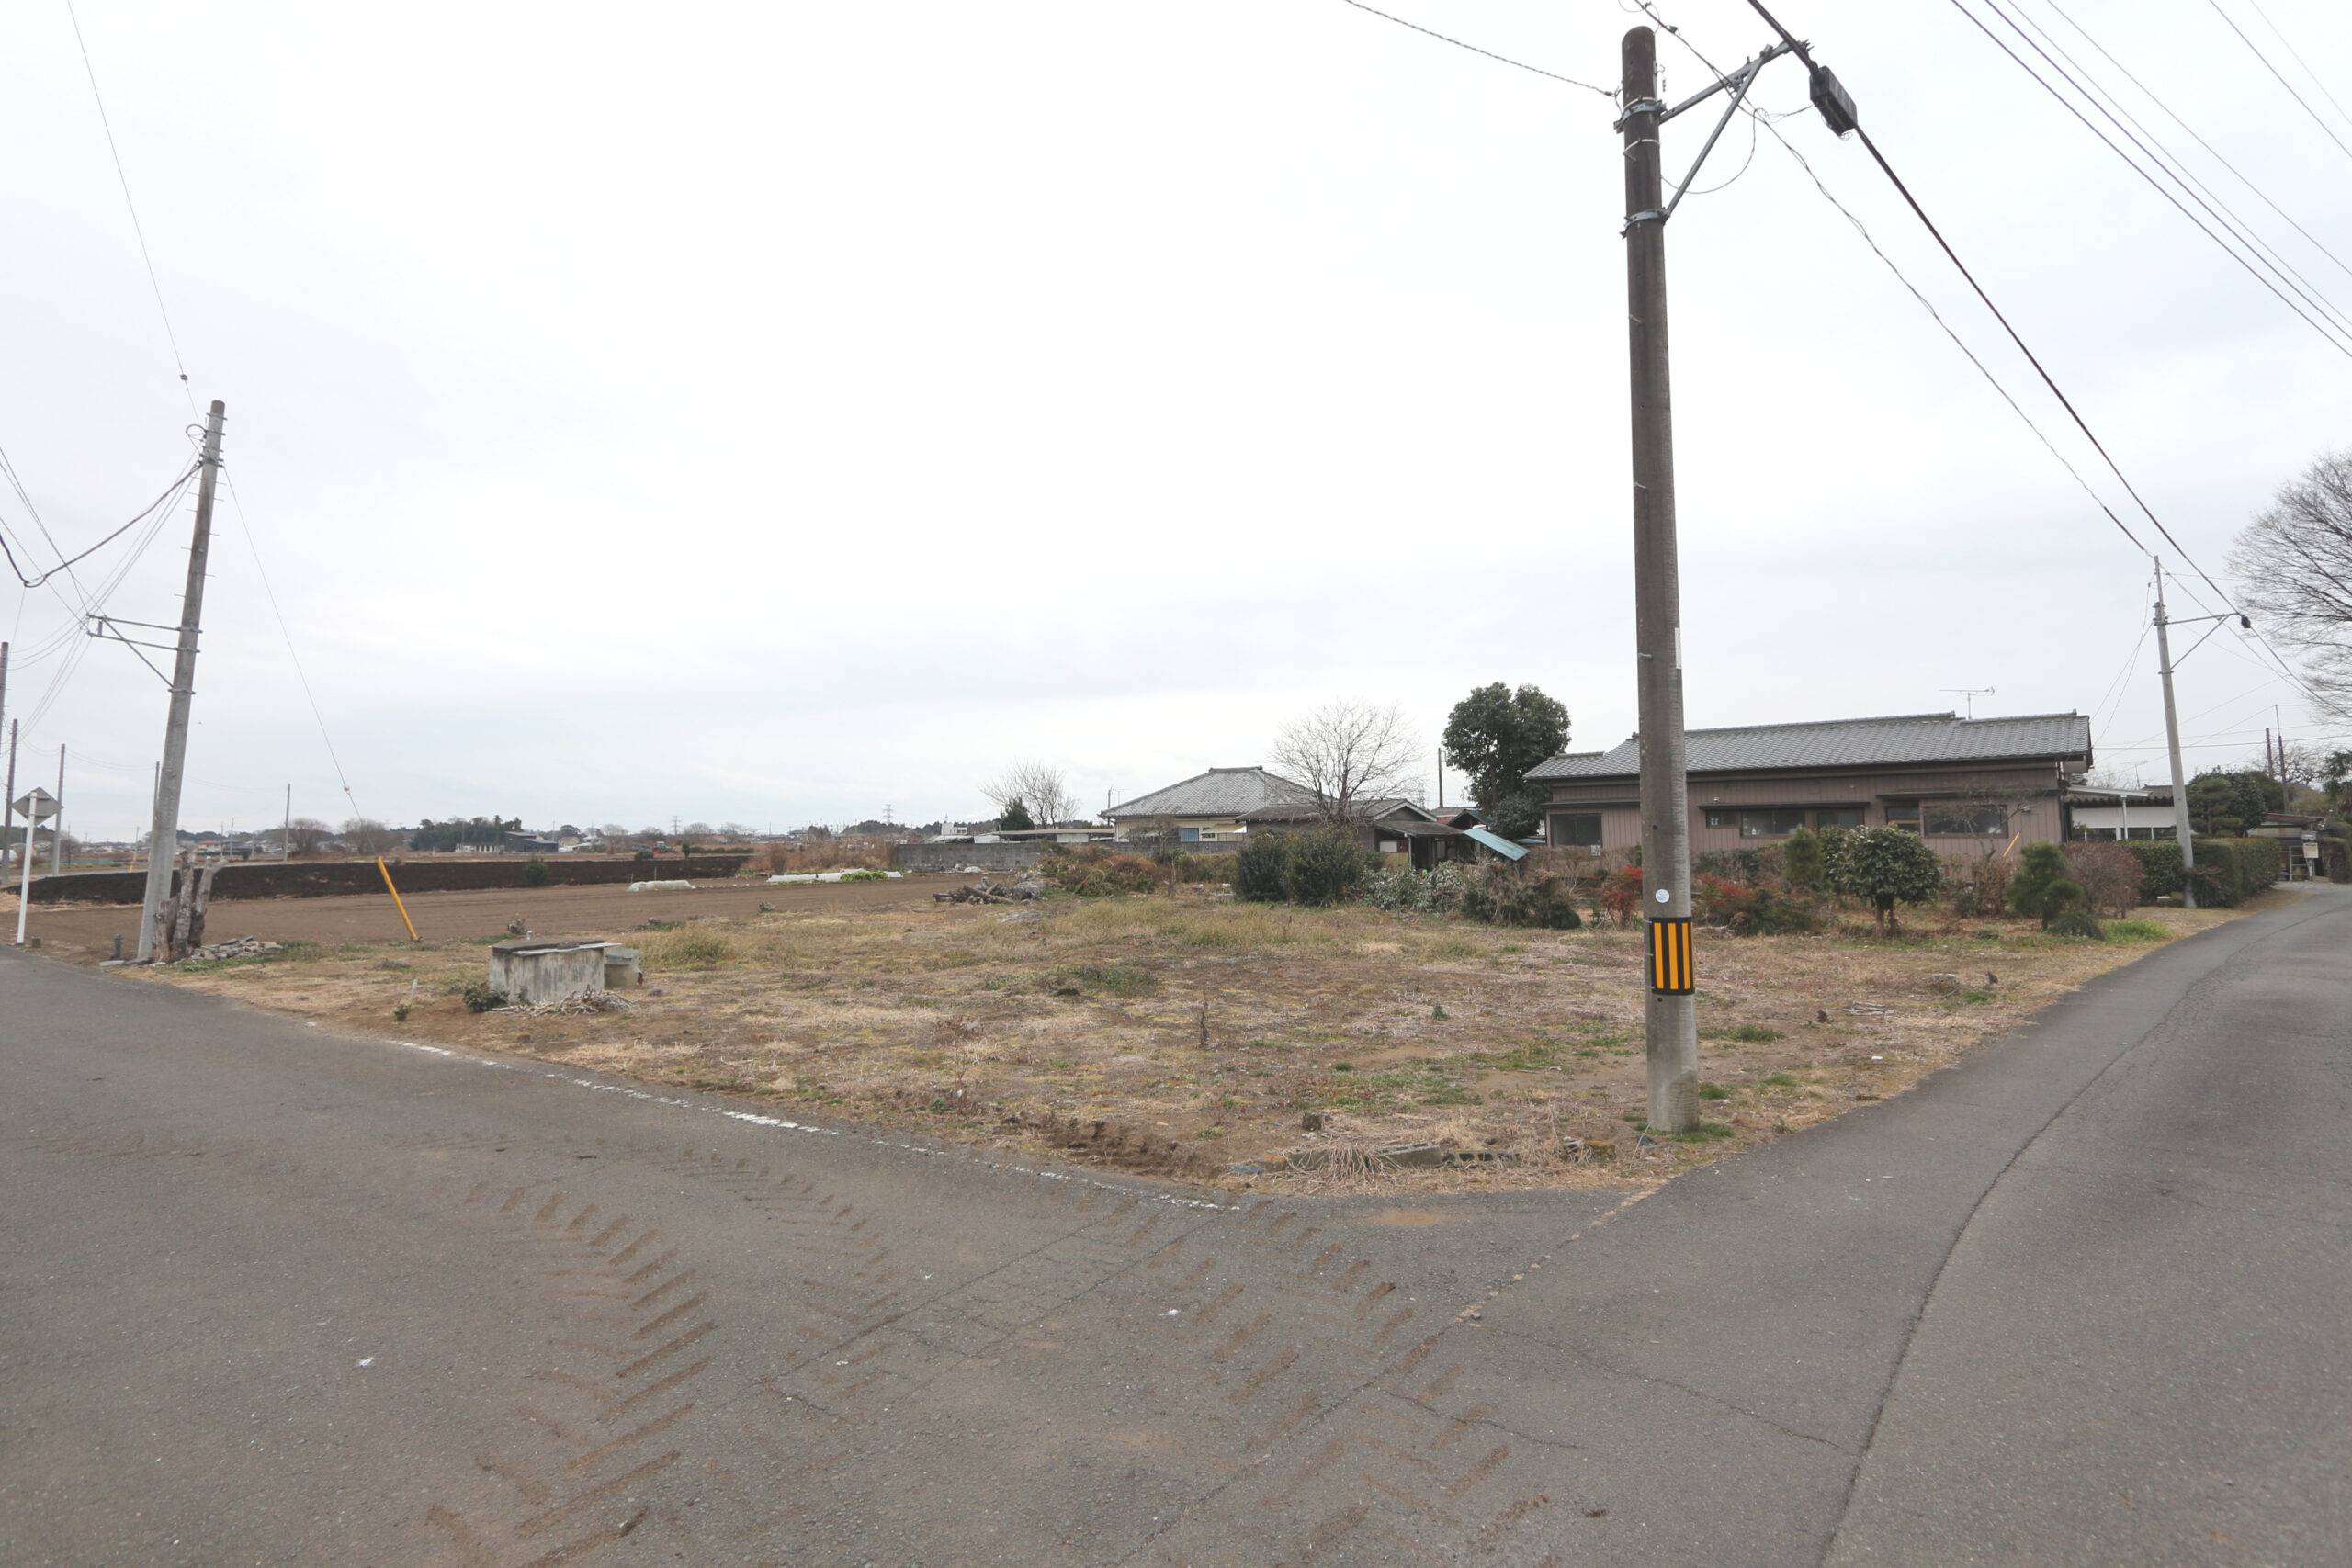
point(124, 180)
point(2291, 48)
point(2173, 166)
point(175, 486)
point(2256, 49)
point(2332, 331)
point(2316, 243)
point(1474, 49)
point(236, 505)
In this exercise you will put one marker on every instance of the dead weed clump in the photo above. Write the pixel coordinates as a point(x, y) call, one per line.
point(691, 947)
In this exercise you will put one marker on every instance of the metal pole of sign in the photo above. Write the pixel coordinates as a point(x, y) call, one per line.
point(36, 805)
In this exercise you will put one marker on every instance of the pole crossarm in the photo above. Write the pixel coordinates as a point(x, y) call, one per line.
point(1738, 83)
point(103, 628)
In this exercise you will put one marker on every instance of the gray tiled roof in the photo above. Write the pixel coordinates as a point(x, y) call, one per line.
point(1902, 741)
point(1302, 809)
point(1220, 791)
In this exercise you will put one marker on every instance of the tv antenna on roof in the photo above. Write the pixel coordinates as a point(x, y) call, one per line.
point(1969, 694)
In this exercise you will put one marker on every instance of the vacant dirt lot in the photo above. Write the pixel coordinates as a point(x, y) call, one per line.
point(86, 933)
point(1181, 1037)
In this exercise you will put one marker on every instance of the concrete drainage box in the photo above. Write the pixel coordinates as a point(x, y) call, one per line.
point(621, 967)
point(535, 973)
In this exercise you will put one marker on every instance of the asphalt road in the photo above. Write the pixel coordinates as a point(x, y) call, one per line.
point(272, 1296)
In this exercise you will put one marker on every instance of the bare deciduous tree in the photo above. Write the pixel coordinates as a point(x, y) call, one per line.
point(305, 834)
point(366, 836)
point(2293, 565)
point(1348, 754)
point(1040, 786)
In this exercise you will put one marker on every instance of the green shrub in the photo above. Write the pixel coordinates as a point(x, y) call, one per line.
point(2074, 921)
point(1882, 864)
point(535, 873)
point(479, 998)
point(1261, 868)
point(2229, 871)
point(1326, 867)
point(1801, 862)
point(2135, 930)
point(2037, 867)
point(866, 874)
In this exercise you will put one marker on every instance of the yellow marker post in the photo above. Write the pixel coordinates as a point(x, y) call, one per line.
point(1673, 969)
point(396, 897)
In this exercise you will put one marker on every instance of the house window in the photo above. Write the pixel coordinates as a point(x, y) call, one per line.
point(1723, 818)
point(1838, 817)
point(1961, 818)
point(1902, 813)
point(1582, 828)
point(1187, 835)
point(1769, 824)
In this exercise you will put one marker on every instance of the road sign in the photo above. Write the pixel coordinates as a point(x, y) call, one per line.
point(36, 805)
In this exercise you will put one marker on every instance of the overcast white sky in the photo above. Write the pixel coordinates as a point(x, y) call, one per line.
point(777, 412)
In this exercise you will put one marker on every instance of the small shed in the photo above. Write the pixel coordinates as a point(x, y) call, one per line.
point(533, 973)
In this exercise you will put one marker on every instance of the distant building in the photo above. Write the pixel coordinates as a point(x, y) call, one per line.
point(1208, 808)
point(1964, 785)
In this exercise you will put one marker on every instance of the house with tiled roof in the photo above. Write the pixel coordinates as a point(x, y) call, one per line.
point(1208, 806)
point(1980, 785)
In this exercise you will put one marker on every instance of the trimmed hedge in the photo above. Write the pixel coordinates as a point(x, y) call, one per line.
point(2229, 871)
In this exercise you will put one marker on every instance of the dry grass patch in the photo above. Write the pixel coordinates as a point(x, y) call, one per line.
point(1184, 1036)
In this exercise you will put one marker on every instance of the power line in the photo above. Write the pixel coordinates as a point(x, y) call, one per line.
point(124, 180)
point(2173, 166)
point(2298, 58)
point(2324, 128)
point(2316, 243)
point(2328, 329)
point(1474, 49)
point(175, 487)
point(236, 504)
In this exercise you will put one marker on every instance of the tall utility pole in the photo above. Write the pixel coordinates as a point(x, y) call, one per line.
point(2172, 742)
point(8, 823)
point(286, 835)
point(162, 846)
point(1671, 1017)
point(7, 795)
point(57, 823)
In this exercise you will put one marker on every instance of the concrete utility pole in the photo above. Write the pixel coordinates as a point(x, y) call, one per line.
point(57, 823)
point(163, 847)
point(1671, 1019)
point(2172, 742)
point(8, 822)
point(8, 811)
point(286, 835)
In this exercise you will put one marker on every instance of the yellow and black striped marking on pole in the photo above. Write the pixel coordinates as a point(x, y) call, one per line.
point(1672, 972)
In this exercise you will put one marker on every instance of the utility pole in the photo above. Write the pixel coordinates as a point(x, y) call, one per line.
point(162, 847)
point(57, 823)
point(7, 811)
point(286, 835)
point(8, 822)
point(2172, 741)
point(1672, 1016)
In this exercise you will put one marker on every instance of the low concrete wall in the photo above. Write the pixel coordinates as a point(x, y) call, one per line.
point(955, 857)
point(322, 879)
